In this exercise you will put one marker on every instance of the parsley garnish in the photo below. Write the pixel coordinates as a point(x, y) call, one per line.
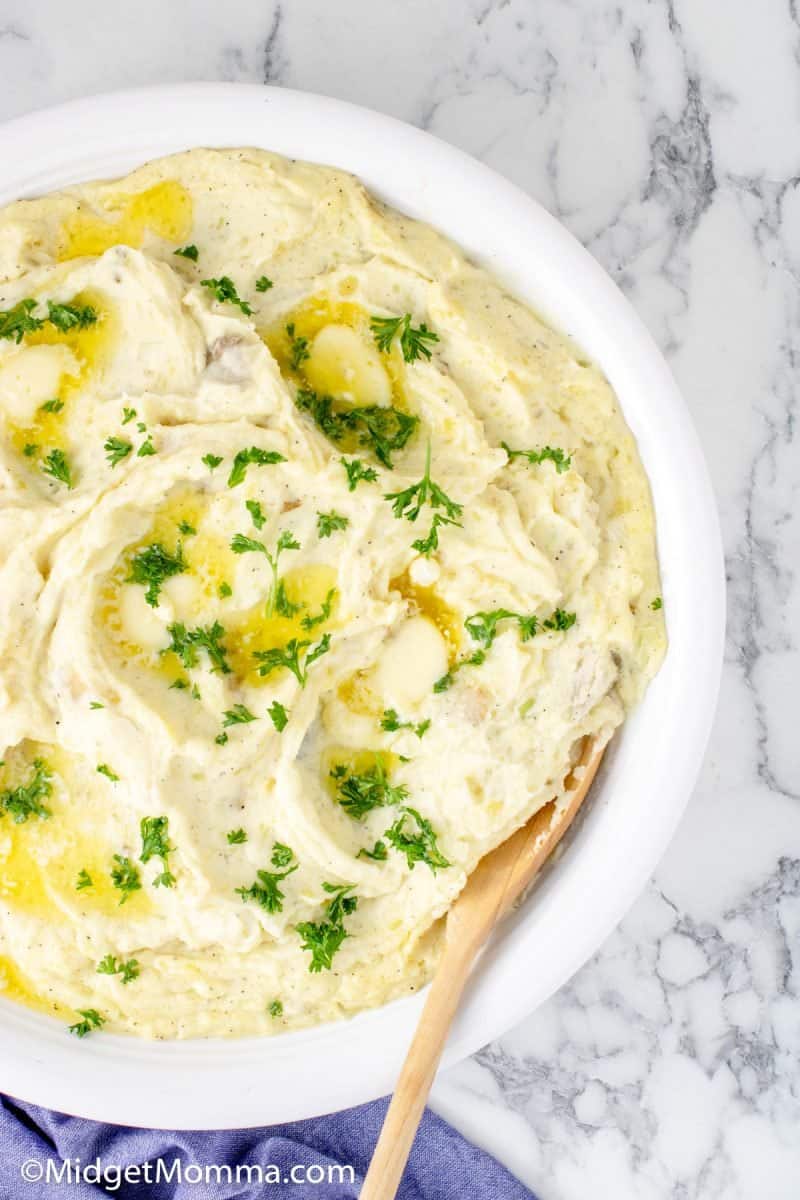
point(275, 1009)
point(238, 715)
point(560, 460)
point(91, 1020)
point(125, 876)
point(96, 704)
point(410, 501)
point(236, 837)
point(52, 406)
point(57, 467)
point(656, 604)
point(328, 523)
point(263, 284)
point(278, 715)
point(221, 739)
point(30, 449)
point(110, 965)
point(186, 529)
point(382, 430)
point(147, 448)
point(70, 316)
point(289, 656)
point(84, 880)
point(298, 349)
point(277, 599)
point(152, 566)
point(256, 513)
point(266, 890)
point(189, 251)
point(17, 321)
point(105, 769)
point(212, 461)
point(360, 794)
point(128, 415)
point(156, 844)
point(413, 341)
point(25, 800)
point(186, 642)
point(418, 845)
point(309, 622)
point(224, 290)
point(482, 626)
point(378, 853)
point(357, 473)
point(224, 590)
point(116, 449)
point(391, 723)
point(251, 456)
point(560, 620)
point(324, 938)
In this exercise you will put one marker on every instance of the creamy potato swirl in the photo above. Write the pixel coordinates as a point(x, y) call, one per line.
point(257, 724)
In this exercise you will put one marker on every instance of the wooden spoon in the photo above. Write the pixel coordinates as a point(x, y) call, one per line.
point(496, 883)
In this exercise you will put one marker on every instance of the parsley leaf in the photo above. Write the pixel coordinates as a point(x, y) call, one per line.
point(281, 855)
point(52, 406)
point(212, 461)
point(105, 769)
point(224, 290)
point(418, 844)
point(238, 715)
point(55, 465)
point(275, 1009)
point(110, 965)
point(186, 642)
point(360, 794)
point(253, 455)
point(147, 448)
point(482, 626)
point(309, 622)
point(410, 501)
point(91, 1020)
point(152, 566)
point(125, 877)
point(324, 938)
point(278, 716)
point(298, 349)
point(378, 853)
point(84, 880)
point(560, 460)
point(224, 590)
point(391, 723)
point(277, 599)
point(560, 620)
point(290, 655)
point(413, 341)
point(96, 704)
point(381, 430)
point(328, 523)
point(156, 844)
point(128, 414)
point(189, 251)
point(17, 321)
point(256, 513)
point(70, 316)
point(236, 837)
point(263, 284)
point(656, 604)
point(25, 800)
point(357, 473)
point(266, 890)
point(116, 449)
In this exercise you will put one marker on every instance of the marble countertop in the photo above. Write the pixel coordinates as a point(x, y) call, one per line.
point(664, 134)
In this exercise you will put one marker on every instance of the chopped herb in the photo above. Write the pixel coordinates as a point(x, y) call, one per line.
point(560, 620)
point(189, 251)
point(70, 316)
point(212, 461)
point(278, 715)
point(238, 715)
point(96, 704)
point(152, 566)
point(180, 685)
point(360, 794)
point(221, 739)
point(328, 523)
point(413, 341)
point(277, 599)
point(656, 604)
point(256, 513)
point(263, 284)
point(52, 406)
point(104, 769)
point(275, 1009)
point(91, 1020)
point(266, 890)
point(110, 965)
point(156, 844)
point(186, 642)
point(30, 449)
point(186, 529)
point(298, 349)
point(55, 465)
point(84, 880)
point(378, 853)
point(116, 449)
point(560, 460)
point(289, 656)
point(391, 723)
point(324, 938)
point(225, 590)
point(147, 448)
point(381, 430)
point(254, 456)
point(128, 415)
point(357, 473)
point(25, 800)
point(410, 501)
point(224, 290)
point(309, 622)
point(17, 321)
point(236, 837)
point(125, 877)
point(418, 845)
point(482, 626)
point(428, 544)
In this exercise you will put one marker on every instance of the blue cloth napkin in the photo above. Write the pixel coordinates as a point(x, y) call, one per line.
point(442, 1166)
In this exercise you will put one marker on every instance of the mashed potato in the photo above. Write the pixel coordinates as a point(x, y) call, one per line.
point(319, 557)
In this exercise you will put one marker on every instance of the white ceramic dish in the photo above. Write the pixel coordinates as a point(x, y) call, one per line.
point(654, 762)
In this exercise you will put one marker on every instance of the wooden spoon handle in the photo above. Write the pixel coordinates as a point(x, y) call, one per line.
point(411, 1093)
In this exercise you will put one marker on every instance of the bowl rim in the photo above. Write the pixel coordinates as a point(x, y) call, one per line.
point(212, 1084)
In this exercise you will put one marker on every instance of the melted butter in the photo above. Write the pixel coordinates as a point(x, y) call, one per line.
point(253, 630)
point(428, 603)
point(164, 210)
point(40, 859)
point(16, 986)
point(89, 350)
point(355, 762)
point(357, 694)
point(358, 382)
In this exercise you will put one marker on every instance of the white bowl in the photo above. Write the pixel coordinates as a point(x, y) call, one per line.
point(653, 763)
